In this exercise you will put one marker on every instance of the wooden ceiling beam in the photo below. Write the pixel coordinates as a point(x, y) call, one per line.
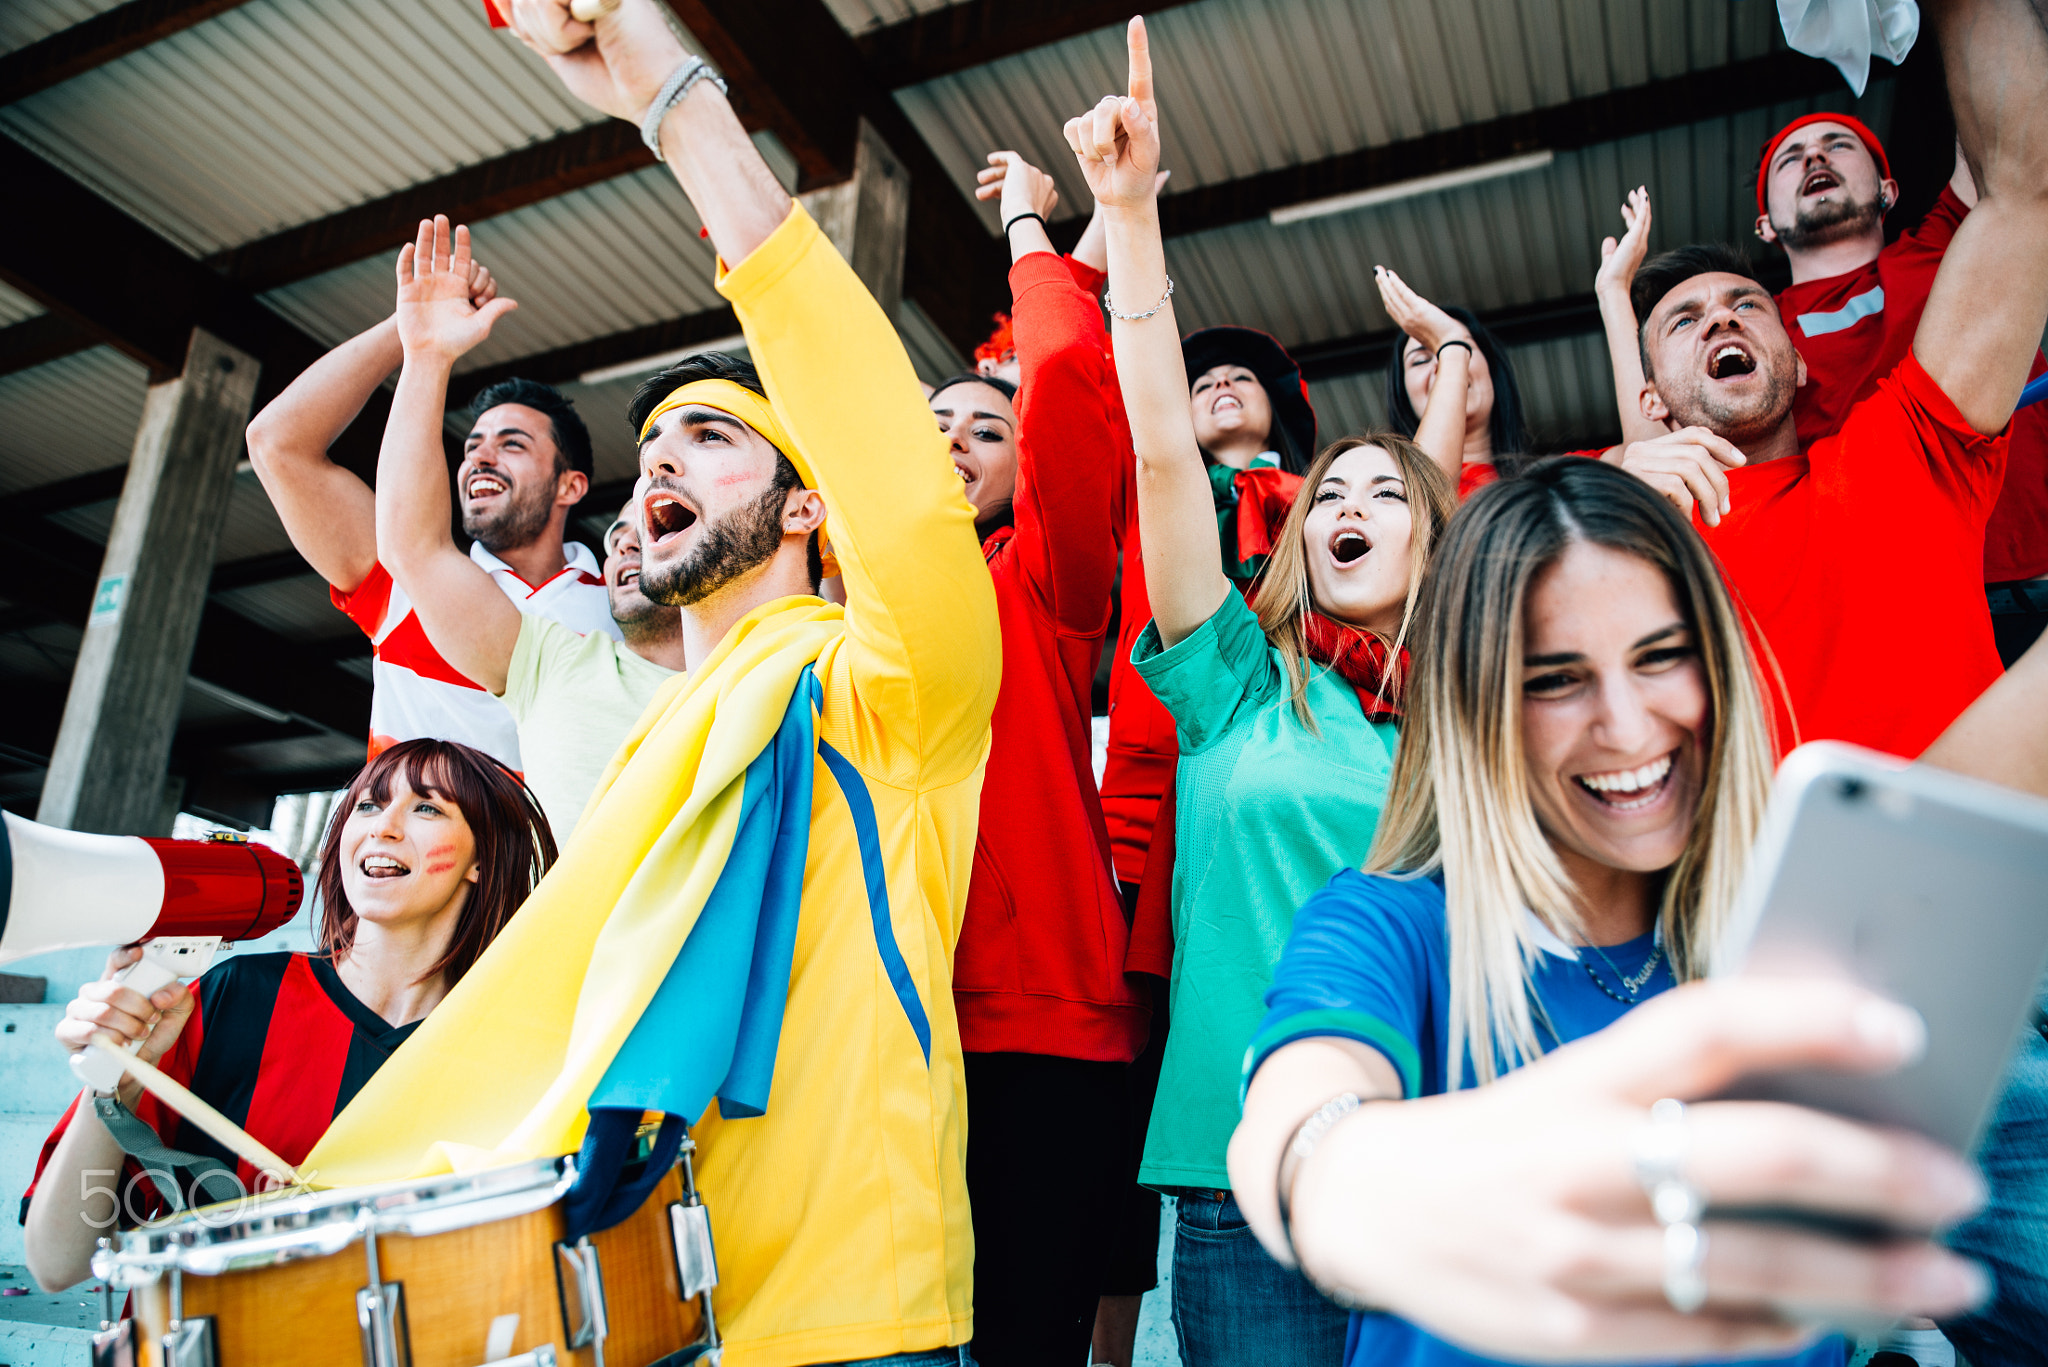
point(794, 53)
point(58, 570)
point(88, 261)
point(101, 39)
point(1671, 103)
point(41, 339)
point(581, 157)
point(942, 41)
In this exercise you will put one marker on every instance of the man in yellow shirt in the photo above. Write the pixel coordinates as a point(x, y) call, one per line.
point(838, 1195)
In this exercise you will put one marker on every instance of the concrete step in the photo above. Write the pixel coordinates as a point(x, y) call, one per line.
point(34, 1077)
point(21, 1139)
point(39, 1330)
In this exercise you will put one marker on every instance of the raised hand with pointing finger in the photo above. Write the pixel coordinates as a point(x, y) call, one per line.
point(1117, 142)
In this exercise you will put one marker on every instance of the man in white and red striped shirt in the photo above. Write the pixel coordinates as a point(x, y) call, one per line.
point(525, 463)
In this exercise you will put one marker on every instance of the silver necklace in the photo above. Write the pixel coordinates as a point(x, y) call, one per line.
point(1633, 985)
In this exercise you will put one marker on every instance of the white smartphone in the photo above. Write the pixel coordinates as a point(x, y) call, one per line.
point(1926, 886)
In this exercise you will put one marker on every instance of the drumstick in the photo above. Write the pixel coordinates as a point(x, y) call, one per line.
point(590, 11)
point(179, 1098)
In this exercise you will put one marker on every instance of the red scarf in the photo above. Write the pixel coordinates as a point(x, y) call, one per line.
point(1264, 497)
point(1360, 659)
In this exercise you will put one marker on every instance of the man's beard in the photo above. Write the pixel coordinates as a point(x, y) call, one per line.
point(1700, 406)
point(1830, 221)
point(518, 521)
point(735, 545)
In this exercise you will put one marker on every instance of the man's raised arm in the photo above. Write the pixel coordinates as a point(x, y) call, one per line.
point(920, 609)
point(1985, 314)
point(466, 616)
point(326, 510)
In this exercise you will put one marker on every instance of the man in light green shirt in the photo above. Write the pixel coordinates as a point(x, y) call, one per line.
point(577, 697)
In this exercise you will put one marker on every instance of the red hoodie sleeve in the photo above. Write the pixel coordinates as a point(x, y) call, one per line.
point(1067, 447)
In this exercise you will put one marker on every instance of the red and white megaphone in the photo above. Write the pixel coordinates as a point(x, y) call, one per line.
point(181, 900)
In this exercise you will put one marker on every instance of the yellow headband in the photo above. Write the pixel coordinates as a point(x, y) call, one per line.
point(743, 403)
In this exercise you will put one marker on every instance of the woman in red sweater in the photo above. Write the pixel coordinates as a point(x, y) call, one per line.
point(1047, 1019)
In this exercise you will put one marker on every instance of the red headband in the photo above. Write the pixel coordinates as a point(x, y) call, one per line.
point(1848, 121)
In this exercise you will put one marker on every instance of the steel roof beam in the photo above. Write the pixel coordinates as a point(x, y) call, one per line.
point(943, 41)
point(101, 39)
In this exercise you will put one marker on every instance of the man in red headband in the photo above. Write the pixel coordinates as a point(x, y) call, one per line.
point(1823, 188)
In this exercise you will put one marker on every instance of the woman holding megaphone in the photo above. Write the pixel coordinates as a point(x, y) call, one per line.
point(432, 848)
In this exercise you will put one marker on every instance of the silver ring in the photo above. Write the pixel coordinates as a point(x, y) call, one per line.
point(1678, 1204)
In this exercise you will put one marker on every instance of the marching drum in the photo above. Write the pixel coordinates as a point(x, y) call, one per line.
point(451, 1272)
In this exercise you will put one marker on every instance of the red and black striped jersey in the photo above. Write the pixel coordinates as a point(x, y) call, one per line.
point(276, 1043)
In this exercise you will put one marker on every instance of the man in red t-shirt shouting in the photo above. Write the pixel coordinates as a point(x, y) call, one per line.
point(1823, 188)
point(1860, 558)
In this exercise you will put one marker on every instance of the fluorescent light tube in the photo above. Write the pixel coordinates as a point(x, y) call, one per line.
point(1408, 189)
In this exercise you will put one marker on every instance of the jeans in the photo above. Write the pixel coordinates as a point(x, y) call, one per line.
point(929, 1357)
point(1232, 1304)
point(2010, 1235)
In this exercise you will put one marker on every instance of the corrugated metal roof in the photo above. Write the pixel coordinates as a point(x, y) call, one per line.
point(1522, 239)
point(297, 607)
point(249, 527)
point(16, 306)
point(599, 260)
point(28, 21)
point(68, 417)
point(1256, 85)
point(281, 111)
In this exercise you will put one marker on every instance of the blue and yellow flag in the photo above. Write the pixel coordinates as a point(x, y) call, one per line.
point(674, 903)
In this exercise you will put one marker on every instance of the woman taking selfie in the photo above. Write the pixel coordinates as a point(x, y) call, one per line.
point(432, 848)
point(1286, 712)
point(1586, 763)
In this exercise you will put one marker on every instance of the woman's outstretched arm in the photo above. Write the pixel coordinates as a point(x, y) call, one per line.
point(1117, 145)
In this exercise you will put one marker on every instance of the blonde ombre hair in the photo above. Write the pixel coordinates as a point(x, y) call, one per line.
point(1459, 800)
point(1283, 598)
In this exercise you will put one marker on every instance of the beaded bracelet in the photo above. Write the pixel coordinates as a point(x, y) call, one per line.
point(679, 84)
point(1110, 305)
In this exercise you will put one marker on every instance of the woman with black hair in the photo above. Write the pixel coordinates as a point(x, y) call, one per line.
point(432, 848)
point(1447, 353)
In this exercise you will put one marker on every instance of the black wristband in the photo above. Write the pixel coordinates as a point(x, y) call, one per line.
point(1455, 341)
point(1021, 217)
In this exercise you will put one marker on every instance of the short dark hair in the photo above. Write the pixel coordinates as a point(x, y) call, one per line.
point(705, 365)
point(514, 845)
point(719, 365)
point(1508, 427)
point(572, 438)
point(1000, 386)
point(1666, 271)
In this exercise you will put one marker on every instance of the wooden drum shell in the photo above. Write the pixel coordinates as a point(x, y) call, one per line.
point(456, 1284)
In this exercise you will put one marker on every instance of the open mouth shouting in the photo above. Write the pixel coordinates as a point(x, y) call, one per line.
point(1730, 361)
point(1349, 546)
point(1628, 790)
point(485, 484)
point(1819, 182)
point(1226, 402)
point(664, 515)
point(967, 474)
point(381, 866)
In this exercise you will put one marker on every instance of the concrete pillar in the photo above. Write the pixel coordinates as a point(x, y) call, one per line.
point(868, 217)
point(109, 767)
